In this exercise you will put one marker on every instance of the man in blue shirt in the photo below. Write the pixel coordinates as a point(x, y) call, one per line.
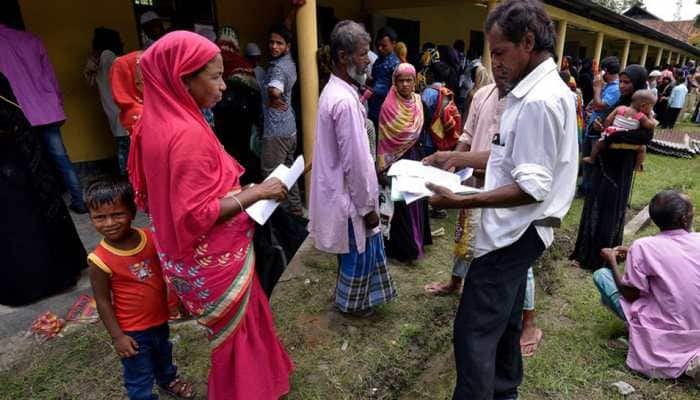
point(279, 139)
point(606, 94)
point(382, 71)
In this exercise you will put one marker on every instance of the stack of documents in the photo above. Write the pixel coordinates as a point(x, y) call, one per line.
point(408, 179)
point(261, 210)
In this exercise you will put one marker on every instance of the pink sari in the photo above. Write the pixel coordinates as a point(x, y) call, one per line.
point(180, 172)
point(400, 122)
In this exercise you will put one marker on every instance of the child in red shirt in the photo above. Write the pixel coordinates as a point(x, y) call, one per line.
point(130, 292)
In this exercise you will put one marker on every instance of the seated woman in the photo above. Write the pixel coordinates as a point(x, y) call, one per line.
point(400, 126)
point(658, 294)
point(191, 187)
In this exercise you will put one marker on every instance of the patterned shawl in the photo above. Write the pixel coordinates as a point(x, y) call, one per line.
point(400, 122)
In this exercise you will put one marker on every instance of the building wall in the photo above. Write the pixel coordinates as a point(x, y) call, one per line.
point(252, 19)
point(66, 28)
point(438, 23)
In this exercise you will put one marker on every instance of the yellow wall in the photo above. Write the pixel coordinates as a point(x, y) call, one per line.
point(252, 18)
point(344, 9)
point(66, 28)
point(442, 24)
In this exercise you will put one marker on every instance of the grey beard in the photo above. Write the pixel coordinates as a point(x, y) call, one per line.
point(359, 78)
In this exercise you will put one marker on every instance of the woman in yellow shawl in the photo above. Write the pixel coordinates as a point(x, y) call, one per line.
point(400, 126)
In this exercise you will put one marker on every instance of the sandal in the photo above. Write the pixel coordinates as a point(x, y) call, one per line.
point(179, 389)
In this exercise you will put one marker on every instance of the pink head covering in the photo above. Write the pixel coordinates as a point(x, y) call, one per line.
point(404, 69)
point(176, 164)
point(400, 122)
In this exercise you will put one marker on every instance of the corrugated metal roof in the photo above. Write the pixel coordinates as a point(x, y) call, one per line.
point(588, 9)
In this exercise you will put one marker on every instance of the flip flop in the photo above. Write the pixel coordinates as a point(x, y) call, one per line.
point(533, 343)
point(180, 389)
point(438, 289)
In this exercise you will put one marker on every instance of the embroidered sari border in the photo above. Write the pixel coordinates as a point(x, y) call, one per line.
point(234, 292)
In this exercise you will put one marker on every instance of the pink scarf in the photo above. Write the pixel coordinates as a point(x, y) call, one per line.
point(176, 164)
point(400, 122)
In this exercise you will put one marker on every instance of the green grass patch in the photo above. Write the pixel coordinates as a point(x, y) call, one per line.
point(405, 350)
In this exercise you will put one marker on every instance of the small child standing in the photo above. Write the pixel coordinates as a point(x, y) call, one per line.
point(623, 118)
point(130, 292)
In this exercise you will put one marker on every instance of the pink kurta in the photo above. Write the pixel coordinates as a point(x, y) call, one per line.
point(484, 119)
point(664, 323)
point(343, 179)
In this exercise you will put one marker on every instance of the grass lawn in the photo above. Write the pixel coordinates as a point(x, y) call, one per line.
point(405, 350)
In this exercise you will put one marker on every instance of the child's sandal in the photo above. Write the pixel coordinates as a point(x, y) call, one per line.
point(180, 389)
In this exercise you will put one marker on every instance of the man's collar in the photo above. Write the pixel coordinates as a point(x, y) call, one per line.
point(350, 87)
point(673, 232)
point(280, 58)
point(529, 82)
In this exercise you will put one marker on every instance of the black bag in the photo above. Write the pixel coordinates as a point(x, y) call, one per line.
point(275, 245)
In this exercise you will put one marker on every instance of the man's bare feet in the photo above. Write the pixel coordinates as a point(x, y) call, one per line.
point(530, 340)
point(442, 289)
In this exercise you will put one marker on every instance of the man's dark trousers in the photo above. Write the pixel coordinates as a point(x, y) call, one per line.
point(489, 321)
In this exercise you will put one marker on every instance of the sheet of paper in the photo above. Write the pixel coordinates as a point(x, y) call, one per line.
point(465, 174)
point(395, 194)
point(261, 210)
point(410, 168)
point(411, 189)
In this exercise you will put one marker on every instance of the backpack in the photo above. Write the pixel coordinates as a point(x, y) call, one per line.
point(446, 122)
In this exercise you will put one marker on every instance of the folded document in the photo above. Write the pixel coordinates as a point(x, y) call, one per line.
point(261, 210)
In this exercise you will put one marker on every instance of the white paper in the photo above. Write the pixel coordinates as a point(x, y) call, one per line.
point(261, 210)
point(408, 179)
point(465, 174)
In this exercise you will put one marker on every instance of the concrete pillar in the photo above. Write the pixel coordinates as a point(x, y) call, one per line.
point(678, 58)
point(561, 40)
point(308, 71)
point(625, 53)
point(598, 50)
point(670, 54)
point(658, 56)
point(645, 53)
point(486, 57)
point(685, 60)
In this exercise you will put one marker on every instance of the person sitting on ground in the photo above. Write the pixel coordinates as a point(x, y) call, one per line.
point(658, 294)
point(130, 291)
point(638, 115)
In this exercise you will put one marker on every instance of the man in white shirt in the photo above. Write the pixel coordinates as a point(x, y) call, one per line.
point(676, 102)
point(531, 174)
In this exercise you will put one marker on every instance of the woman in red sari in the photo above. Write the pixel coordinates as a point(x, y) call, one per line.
point(190, 186)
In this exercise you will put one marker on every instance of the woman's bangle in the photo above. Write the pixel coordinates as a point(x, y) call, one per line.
point(238, 201)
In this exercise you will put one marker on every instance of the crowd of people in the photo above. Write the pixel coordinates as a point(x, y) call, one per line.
point(199, 122)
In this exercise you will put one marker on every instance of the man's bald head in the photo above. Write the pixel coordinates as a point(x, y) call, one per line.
point(670, 210)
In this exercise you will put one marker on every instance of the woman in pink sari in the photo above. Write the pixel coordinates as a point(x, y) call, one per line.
point(190, 186)
point(400, 126)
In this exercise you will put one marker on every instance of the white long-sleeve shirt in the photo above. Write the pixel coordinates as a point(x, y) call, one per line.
point(537, 148)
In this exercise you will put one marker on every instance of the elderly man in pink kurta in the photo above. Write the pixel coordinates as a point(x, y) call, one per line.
point(659, 293)
point(344, 197)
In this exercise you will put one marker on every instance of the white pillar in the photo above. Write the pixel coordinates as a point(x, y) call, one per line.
point(486, 57)
point(645, 53)
point(561, 40)
point(625, 53)
point(600, 38)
